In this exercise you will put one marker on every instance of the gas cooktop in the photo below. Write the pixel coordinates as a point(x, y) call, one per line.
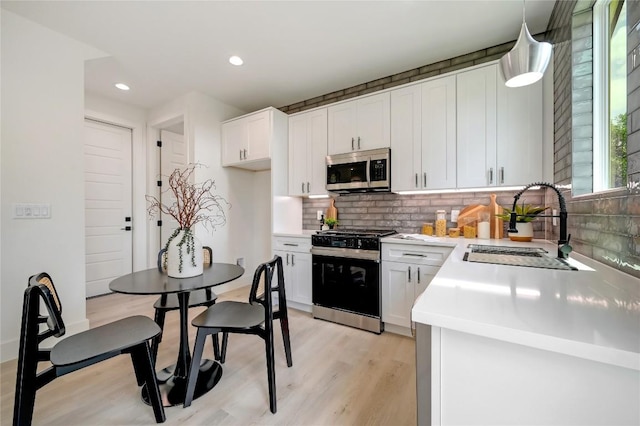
point(358, 232)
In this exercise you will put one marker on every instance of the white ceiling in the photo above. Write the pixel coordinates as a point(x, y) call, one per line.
point(293, 50)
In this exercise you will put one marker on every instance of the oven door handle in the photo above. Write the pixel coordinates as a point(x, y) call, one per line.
point(373, 255)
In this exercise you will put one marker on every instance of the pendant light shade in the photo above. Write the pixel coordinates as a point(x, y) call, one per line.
point(526, 62)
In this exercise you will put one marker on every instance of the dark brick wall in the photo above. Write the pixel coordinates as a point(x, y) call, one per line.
point(603, 226)
point(426, 71)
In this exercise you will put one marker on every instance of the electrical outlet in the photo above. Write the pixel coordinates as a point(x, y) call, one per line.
point(454, 215)
point(319, 215)
point(554, 220)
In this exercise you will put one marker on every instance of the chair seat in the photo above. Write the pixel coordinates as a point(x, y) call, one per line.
point(196, 298)
point(230, 314)
point(99, 341)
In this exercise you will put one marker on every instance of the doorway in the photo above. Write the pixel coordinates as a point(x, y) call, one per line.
point(108, 205)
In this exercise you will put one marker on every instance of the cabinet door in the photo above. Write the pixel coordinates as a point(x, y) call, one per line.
point(476, 127)
point(519, 156)
point(234, 137)
point(258, 135)
point(317, 152)
point(406, 165)
point(286, 266)
point(374, 122)
point(298, 154)
point(438, 120)
point(342, 128)
point(300, 278)
point(397, 293)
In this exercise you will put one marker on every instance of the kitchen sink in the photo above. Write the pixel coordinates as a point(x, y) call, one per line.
point(533, 257)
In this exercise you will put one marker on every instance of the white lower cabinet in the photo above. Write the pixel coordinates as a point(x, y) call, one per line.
point(407, 270)
point(296, 262)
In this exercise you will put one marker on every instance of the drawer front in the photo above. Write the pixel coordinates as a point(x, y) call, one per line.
point(300, 245)
point(419, 255)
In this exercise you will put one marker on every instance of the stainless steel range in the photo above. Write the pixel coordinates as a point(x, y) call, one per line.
point(346, 277)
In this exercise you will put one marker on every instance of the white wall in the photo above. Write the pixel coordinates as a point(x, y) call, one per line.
point(42, 162)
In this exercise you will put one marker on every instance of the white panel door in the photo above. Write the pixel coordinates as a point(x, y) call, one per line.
point(406, 139)
point(108, 242)
point(374, 122)
point(174, 155)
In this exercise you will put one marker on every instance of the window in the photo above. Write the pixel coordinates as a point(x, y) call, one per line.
point(609, 94)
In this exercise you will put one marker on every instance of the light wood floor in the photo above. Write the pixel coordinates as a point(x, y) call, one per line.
point(340, 376)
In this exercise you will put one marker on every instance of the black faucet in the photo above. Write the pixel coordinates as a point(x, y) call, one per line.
point(563, 243)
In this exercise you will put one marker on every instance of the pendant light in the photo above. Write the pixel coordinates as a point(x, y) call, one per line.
point(526, 62)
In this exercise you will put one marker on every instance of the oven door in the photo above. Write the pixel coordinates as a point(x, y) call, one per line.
point(347, 284)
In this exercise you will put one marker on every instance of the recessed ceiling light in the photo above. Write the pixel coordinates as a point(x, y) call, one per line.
point(236, 60)
point(122, 86)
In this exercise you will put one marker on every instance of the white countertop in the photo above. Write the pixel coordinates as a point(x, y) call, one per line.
point(593, 313)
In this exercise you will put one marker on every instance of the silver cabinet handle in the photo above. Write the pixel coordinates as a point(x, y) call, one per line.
point(501, 174)
point(358, 142)
point(352, 146)
point(240, 154)
point(287, 258)
point(245, 154)
point(308, 188)
point(490, 175)
point(303, 187)
point(425, 179)
point(409, 273)
point(290, 245)
point(416, 180)
point(418, 275)
point(293, 263)
point(414, 254)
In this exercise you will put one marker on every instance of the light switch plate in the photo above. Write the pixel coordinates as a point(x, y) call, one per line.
point(319, 215)
point(31, 211)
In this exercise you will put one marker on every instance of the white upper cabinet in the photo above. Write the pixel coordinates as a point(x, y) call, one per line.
point(499, 130)
point(520, 134)
point(476, 127)
point(423, 135)
point(247, 140)
point(307, 152)
point(361, 124)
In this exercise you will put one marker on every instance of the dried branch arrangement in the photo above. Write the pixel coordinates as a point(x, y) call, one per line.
point(193, 203)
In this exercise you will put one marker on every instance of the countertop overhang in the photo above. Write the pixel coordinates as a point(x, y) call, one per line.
point(592, 313)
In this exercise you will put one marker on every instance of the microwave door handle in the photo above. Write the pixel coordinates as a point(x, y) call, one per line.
point(369, 172)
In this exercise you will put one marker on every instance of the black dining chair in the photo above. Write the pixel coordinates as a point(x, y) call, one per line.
point(255, 317)
point(169, 302)
point(126, 336)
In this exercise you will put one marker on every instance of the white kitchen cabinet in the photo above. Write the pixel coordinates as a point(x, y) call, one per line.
point(307, 153)
point(247, 140)
point(499, 130)
point(296, 261)
point(520, 130)
point(423, 134)
point(407, 270)
point(361, 124)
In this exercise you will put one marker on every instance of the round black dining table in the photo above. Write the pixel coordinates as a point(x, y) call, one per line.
point(152, 281)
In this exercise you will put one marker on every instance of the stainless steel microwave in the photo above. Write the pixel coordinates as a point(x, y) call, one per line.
point(360, 171)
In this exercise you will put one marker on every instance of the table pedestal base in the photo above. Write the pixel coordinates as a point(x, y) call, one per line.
point(174, 388)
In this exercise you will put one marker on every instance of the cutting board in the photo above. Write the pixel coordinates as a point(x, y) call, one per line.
point(332, 211)
point(497, 228)
point(469, 214)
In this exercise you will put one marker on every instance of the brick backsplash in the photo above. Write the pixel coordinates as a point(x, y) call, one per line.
point(406, 213)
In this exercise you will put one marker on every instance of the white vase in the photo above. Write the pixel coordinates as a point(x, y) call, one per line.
point(525, 232)
point(184, 255)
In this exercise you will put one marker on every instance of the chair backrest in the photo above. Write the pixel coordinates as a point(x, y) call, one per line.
point(41, 287)
point(262, 287)
point(207, 256)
